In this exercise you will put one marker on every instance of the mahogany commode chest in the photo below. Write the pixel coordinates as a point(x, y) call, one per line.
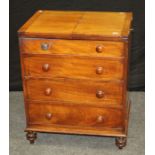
point(75, 71)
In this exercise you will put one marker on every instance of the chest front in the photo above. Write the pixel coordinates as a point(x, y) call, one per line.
point(75, 72)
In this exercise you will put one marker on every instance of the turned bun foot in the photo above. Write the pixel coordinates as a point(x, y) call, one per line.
point(121, 142)
point(31, 136)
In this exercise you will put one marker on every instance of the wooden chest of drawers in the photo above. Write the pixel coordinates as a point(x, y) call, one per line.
point(74, 72)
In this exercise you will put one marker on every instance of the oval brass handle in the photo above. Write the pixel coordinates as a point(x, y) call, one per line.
point(99, 94)
point(48, 91)
point(99, 70)
point(99, 48)
point(44, 46)
point(48, 116)
point(100, 119)
point(46, 67)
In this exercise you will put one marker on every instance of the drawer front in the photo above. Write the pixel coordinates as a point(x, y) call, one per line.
point(74, 47)
point(78, 116)
point(75, 67)
point(77, 91)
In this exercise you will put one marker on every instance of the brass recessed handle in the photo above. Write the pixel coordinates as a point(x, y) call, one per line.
point(45, 67)
point(99, 94)
point(99, 48)
point(99, 70)
point(48, 91)
point(48, 116)
point(100, 119)
point(44, 46)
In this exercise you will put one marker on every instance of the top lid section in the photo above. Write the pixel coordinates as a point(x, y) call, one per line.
point(77, 25)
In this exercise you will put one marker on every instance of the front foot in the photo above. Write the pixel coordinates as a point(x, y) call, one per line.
point(121, 142)
point(31, 136)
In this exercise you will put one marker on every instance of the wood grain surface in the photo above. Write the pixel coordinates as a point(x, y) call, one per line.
point(73, 67)
point(78, 24)
point(75, 73)
point(74, 116)
point(73, 47)
point(81, 91)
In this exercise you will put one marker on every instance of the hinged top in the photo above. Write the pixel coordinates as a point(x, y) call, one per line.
point(77, 25)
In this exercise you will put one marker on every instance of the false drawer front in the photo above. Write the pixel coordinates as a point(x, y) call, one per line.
point(77, 116)
point(72, 47)
point(75, 67)
point(77, 91)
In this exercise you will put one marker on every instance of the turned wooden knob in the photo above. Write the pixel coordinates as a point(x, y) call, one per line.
point(100, 119)
point(99, 48)
point(44, 46)
point(99, 70)
point(48, 116)
point(46, 67)
point(48, 91)
point(99, 94)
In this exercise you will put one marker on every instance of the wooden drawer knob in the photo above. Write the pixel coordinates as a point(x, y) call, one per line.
point(46, 67)
point(100, 119)
point(99, 70)
point(100, 94)
point(48, 116)
point(44, 46)
point(99, 48)
point(48, 91)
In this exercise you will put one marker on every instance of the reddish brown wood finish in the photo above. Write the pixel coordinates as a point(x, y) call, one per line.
point(74, 71)
point(76, 91)
point(74, 47)
point(78, 116)
point(78, 25)
point(115, 132)
point(73, 67)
